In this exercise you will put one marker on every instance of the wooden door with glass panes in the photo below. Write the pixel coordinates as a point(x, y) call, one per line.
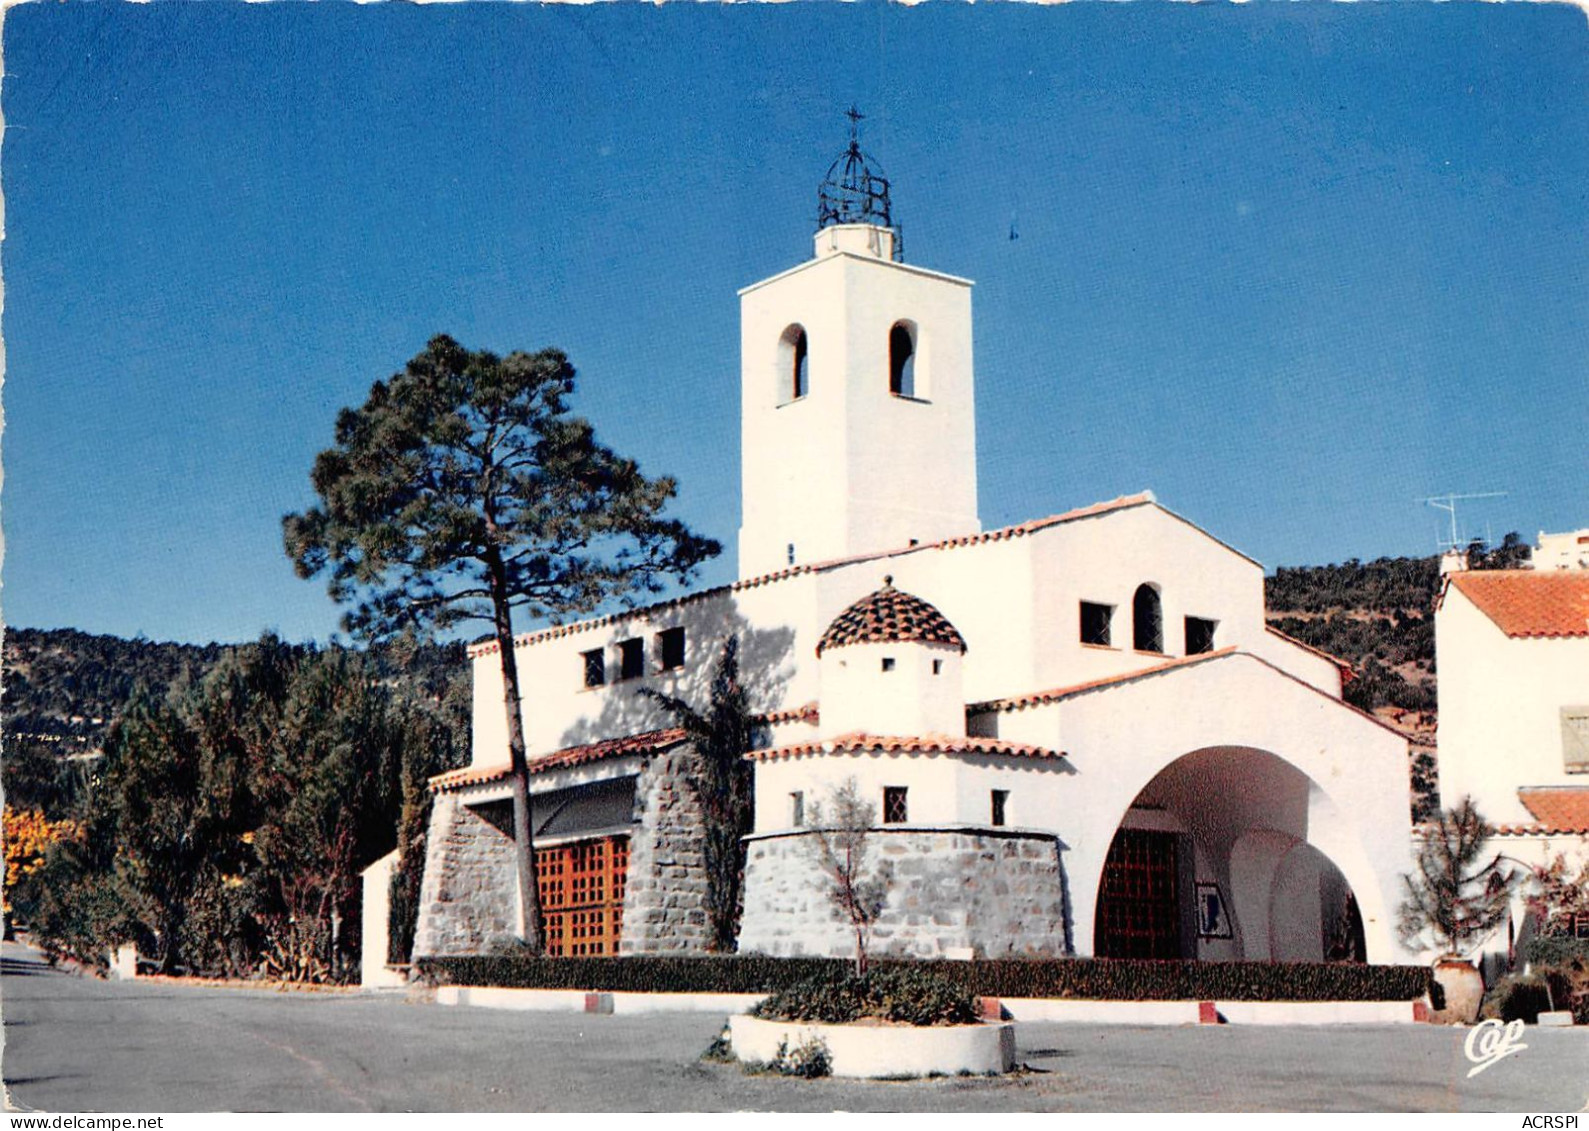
point(582, 886)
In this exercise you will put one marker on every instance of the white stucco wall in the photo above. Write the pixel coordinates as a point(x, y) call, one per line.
point(1500, 708)
point(910, 698)
point(942, 790)
point(850, 468)
point(1347, 794)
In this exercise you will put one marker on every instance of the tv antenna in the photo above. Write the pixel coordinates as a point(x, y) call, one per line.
point(1448, 503)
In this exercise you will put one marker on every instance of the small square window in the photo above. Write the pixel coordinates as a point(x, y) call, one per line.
point(670, 643)
point(631, 659)
point(1575, 739)
point(595, 667)
point(894, 809)
point(1095, 623)
point(888, 663)
point(1199, 635)
point(797, 809)
point(1001, 799)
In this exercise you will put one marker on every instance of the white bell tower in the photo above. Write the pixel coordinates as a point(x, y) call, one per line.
point(857, 405)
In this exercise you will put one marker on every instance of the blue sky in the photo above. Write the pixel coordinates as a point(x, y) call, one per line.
point(1291, 266)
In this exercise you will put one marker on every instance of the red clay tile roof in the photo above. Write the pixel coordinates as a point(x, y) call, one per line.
point(1563, 810)
point(563, 759)
point(1037, 698)
point(1124, 502)
point(859, 741)
point(887, 616)
point(809, 713)
point(1526, 602)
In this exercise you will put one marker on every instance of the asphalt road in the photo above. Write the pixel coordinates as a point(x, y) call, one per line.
point(75, 1044)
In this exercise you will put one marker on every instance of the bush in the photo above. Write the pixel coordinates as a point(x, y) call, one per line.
point(1096, 979)
point(1555, 950)
point(1516, 996)
point(807, 1060)
point(902, 994)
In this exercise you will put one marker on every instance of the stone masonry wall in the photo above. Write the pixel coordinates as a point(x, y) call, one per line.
point(469, 896)
point(998, 895)
point(664, 907)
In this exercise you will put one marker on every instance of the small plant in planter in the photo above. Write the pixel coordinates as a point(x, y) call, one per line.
point(1457, 895)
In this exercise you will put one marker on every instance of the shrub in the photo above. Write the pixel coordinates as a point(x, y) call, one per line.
point(1516, 996)
point(902, 994)
point(807, 1060)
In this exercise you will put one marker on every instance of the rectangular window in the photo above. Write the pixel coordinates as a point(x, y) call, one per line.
point(631, 659)
point(1575, 739)
point(1199, 635)
point(894, 810)
point(595, 667)
point(670, 643)
point(1095, 623)
point(791, 553)
point(1001, 799)
point(937, 667)
point(797, 809)
point(888, 663)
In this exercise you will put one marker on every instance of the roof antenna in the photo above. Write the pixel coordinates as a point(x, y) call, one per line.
point(1448, 503)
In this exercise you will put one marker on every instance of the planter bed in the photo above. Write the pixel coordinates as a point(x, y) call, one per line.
point(883, 1050)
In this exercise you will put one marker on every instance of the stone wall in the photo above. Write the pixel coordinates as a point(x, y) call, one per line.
point(995, 894)
point(469, 896)
point(664, 907)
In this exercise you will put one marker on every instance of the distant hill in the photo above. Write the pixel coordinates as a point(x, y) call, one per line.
point(67, 687)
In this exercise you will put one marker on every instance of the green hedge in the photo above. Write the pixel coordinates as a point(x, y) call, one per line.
point(1084, 978)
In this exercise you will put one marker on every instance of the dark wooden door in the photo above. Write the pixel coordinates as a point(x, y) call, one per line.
point(1139, 906)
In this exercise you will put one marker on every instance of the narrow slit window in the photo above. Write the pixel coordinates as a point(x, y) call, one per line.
point(631, 659)
point(1095, 622)
point(595, 667)
point(1147, 620)
point(1199, 635)
point(902, 360)
point(794, 372)
point(670, 644)
point(1001, 801)
point(937, 667)
point(895, 811)
point(797, 809)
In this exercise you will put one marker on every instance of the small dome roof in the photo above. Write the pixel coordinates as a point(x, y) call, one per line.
point(888, 616)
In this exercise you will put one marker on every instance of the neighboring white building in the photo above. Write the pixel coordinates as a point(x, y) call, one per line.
point(1512, 651)
point(1078, 732)
point(1562, 551)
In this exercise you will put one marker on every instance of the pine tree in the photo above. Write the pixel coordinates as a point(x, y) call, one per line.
point(1455, 896)
point(464, 489)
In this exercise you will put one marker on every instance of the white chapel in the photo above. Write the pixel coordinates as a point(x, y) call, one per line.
point(1077, 733)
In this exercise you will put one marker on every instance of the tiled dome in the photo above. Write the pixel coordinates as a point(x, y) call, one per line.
point(888, 616)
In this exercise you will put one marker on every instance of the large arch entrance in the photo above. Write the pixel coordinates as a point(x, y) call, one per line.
point(1225, 854)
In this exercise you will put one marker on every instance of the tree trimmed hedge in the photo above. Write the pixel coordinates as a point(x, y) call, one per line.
point(1095, 979)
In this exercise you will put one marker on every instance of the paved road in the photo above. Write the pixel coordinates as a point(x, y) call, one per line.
point(78, 1044)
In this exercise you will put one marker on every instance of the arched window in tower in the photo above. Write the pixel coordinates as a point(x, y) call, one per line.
point(1147, 620)
point(794, 377)
point(902, 359)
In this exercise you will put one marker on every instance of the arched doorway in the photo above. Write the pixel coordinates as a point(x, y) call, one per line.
point(1219, 857)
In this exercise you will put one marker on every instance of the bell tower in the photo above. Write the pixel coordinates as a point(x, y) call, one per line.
point(857, 407)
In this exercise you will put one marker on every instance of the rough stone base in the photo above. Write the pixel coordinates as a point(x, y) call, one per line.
point(664, 906)
point(469, 896)
point(991, 894)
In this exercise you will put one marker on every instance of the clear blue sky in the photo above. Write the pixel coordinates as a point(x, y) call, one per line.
point(1291, 266)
